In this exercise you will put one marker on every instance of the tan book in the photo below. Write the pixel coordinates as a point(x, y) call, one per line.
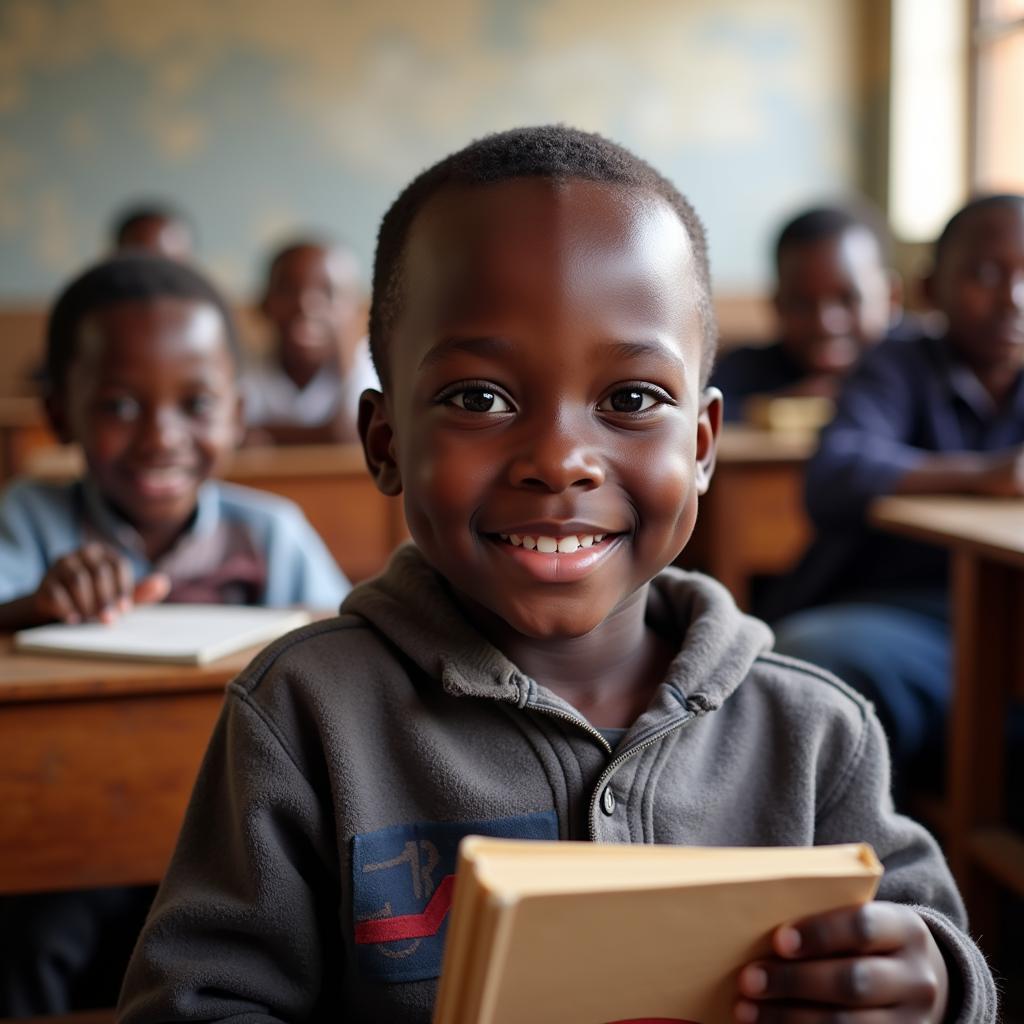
point(186, 634)
point(582, 933)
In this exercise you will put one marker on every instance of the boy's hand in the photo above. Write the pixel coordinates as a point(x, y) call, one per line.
point(94, 582)
point(873, 964)
point(1004, 474)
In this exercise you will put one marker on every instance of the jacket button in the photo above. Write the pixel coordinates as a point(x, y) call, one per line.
point(608, 801)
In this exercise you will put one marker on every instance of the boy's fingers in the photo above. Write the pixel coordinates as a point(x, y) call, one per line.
point(100, 562)
point(769, 1013)
point(152, 589)
point(76, 580)
point(858, 982)
point(56, 603)
point(871, 928)
point(125, 584)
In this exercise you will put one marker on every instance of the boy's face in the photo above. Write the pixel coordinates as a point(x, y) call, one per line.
point(161, 235)
point(312, 300)
point(979, 285)
point(834, 299)
point(153, 402)
point(545, 383)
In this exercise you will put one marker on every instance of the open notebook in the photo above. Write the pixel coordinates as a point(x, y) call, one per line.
point(187, 634)
point(613, 934)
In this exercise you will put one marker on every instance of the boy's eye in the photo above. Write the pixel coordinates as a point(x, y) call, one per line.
point(631, 399)
point(200, 405)
point(120, 407)
point(478, 400)
point(986, 274)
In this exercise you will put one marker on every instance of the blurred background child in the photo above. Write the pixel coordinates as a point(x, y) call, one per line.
point(307, 389)
point(835, 296)
point(142, 361)
point(155, 227)
point(927, 415)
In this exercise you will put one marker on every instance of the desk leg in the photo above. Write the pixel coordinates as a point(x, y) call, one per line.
point(984, 646)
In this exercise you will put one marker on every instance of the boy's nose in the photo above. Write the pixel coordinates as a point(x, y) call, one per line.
point(556, 461)
point(832, 319)
point(160, 428)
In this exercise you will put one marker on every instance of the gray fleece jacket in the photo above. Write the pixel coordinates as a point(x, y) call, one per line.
point(312, 876)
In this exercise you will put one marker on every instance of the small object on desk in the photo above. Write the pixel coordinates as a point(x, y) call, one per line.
point(800, 414)
point(185, 634)
point(555, 931)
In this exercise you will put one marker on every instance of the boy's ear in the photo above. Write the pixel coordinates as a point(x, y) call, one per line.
point(378, 439)
point(709, 424)
point(56, 412)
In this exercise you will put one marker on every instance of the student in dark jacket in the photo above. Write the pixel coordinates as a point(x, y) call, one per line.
point(940, 415)
point(835, 297)
point(542, 328)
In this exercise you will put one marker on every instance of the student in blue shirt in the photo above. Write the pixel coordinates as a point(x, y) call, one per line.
point(142, 362)
point(922, 416)
point(835, 296)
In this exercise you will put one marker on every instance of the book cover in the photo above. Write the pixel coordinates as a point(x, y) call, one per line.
point(601, 934)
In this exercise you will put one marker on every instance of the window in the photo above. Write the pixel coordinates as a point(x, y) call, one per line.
point(997, 162)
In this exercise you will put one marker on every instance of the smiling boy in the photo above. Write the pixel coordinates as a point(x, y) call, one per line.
point(142, 364)
point(541, 324)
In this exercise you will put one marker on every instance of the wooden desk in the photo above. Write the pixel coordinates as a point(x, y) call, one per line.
point(330, 483)
point(98, 761)
point(752, 520)
point(985, 538)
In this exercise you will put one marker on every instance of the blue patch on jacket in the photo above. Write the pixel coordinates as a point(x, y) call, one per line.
point(402, 882)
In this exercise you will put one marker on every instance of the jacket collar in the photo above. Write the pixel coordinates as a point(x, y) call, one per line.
point(411, 605)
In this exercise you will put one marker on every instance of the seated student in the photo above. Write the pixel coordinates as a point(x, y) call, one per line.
point(308, 390)
point(142, 361)
point(155, 227)
point(543, 329)
point(835, 296)
point(925, 416)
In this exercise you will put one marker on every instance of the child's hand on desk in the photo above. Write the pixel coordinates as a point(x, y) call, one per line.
point(94, 582)
point(1003, 475)
point(874, 964)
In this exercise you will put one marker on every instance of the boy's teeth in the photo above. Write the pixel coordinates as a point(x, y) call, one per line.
point(552, 545)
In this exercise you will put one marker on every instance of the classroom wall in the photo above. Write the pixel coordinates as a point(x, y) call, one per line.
point(259, 116)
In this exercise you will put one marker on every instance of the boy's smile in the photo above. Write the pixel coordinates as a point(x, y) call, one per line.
point(545, 418)
point(152, 400)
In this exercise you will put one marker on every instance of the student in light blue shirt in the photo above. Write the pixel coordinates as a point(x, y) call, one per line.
point(142, 365)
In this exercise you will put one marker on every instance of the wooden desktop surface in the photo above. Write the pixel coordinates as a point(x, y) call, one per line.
point(985, 538)
point(99, 758)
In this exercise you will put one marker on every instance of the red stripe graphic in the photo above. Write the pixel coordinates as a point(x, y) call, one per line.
point(410, 926)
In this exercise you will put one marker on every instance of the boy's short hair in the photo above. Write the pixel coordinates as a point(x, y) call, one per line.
point(978, 203)
point(125, 277)
point(550, 151)
point(822, 222)
point(127, 218)
point(313, 240)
